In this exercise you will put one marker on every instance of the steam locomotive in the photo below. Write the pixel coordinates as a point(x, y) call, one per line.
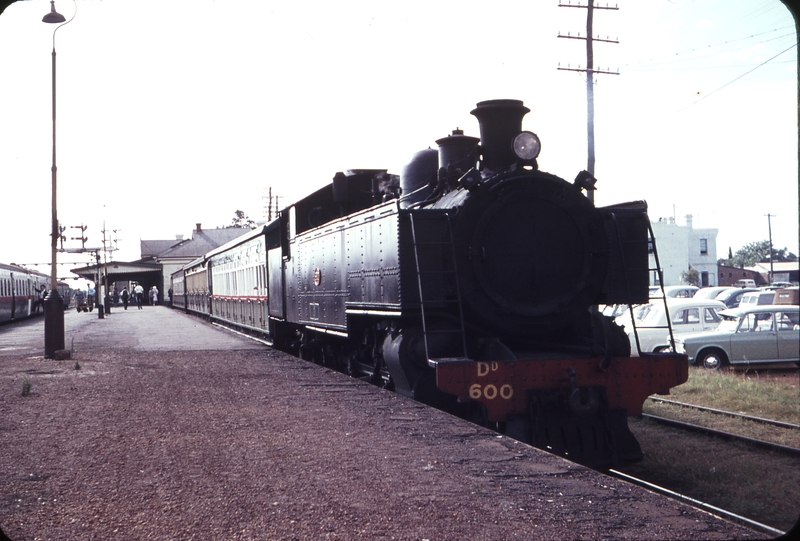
point(470, 282)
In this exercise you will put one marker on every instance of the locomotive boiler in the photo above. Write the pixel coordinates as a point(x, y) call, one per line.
point(470, 281)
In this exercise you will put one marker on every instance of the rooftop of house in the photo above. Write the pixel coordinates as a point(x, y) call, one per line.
point(201, 242)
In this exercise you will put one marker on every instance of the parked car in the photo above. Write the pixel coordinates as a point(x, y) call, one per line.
point(788, 295)
point(747, 336)
point(683, 292)
point(757, 297)
point(745, 283)
point(709, 292)
point(733, 295)
point(686, 316)
point(614, 310)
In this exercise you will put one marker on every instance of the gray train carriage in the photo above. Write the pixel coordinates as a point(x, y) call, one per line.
point(190, 287)
point(240, 283)
point(177, 283)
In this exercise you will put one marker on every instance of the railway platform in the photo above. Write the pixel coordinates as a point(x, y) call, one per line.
point(162, 426)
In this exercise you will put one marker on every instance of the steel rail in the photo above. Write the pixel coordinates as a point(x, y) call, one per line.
point(729, 413)
point(785, 449)
point(714, 510)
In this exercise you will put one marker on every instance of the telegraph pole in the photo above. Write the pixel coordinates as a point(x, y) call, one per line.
point(590, 71)
point(771, 266)
point(272, 203)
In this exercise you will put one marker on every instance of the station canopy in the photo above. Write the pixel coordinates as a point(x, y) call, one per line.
point(119, 271)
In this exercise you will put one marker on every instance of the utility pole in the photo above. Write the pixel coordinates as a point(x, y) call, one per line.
point(106, 250)
point(590, 71)
point(771, 266)
point(271, 203)
point(269, 210)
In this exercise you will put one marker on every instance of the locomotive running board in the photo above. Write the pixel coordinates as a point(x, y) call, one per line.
point(433, 363)
point(503, 387)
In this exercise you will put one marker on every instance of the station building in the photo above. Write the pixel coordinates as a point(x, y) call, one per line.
point(159, 259)
point(682, 247)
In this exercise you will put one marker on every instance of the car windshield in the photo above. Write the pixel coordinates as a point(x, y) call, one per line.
point(653, 316)
point(728, 324)
point(641, 312)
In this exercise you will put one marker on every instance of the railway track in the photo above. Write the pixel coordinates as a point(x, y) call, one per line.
point(726, 413)
point(784, 449)
point(714, 510)
point(712, 465)
point(730, 436)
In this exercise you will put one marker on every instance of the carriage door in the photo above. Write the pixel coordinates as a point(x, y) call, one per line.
point(276, 246)
point(13, 297)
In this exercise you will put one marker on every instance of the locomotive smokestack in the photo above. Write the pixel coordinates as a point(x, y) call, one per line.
point(500, 121)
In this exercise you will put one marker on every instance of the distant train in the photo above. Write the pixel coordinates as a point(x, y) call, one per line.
point(467, 282)
point(20, 292)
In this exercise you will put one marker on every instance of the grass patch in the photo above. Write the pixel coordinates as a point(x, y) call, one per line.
point(751, 429)
point(743, 392)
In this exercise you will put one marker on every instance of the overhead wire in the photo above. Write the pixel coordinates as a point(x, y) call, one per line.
point(739, 77)
point(682, 54)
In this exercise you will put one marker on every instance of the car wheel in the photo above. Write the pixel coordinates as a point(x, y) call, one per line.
point(713, 360)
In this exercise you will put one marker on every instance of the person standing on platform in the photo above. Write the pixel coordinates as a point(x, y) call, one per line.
point(139, 291)
point(153, 296)
point(125, 297)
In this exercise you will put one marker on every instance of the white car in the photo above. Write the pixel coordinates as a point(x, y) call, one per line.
point(755, 298)
point(686, 316)
point(709, 292)
point(673, 291)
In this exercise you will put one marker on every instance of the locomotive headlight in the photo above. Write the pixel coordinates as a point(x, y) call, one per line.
point(527, 146)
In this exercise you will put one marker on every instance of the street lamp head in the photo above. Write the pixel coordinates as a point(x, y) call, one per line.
point(53, 16)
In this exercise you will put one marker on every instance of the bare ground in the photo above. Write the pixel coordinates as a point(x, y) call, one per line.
point(253, 444)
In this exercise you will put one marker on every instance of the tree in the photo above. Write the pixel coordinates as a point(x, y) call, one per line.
point(756, 252)
point(783, 255)
point(691, 277)
point(242, 220)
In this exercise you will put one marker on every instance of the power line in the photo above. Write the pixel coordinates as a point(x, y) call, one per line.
point(739, 77)
point(672, 58)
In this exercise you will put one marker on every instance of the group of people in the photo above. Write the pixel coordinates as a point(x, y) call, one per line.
point(137, 295)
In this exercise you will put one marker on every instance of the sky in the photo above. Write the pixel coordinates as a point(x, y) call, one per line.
point(177, 112)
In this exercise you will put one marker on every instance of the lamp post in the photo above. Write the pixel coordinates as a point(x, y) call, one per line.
point(53, 303)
